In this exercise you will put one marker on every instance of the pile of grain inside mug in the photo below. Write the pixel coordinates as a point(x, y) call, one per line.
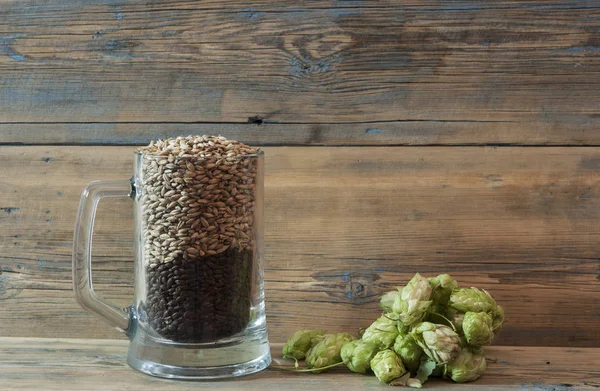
point(197, 208)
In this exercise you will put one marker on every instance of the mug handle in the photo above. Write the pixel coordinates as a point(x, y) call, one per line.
point(82, 251)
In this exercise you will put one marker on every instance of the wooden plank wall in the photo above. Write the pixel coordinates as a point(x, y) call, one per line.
point(428, 136)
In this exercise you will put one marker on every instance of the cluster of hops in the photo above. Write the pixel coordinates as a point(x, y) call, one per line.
point(430, 327)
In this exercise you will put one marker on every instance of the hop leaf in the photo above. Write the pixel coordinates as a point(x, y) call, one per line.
point(299, 343)
point(468, 366)
point(442, 287)
point(387, 366)
point(382, 333)
point(327, 351)
point(413, 302)
point(439, 342)
point(477, 327)
point(472, 299)
point(357, 355)
point(426, 369)
point(409, 351)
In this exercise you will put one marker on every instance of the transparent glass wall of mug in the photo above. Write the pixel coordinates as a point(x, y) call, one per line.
point(198, 310)
point(199, 223)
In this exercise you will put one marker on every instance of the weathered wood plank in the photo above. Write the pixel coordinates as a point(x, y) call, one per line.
point(343, 225)
point(267, 133)
point(514, 69)
point(76, 364)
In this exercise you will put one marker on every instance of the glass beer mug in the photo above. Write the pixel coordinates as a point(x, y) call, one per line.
point(198, 308)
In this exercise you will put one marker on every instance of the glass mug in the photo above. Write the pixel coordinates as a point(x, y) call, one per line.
point(198, 309)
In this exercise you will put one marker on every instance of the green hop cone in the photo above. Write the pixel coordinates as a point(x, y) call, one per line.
point(477, 328)
point(439, 342)
point(402, 328)
point(387, 300)
point(468, 366)
point(442, 287)
point(387, 366)
point(327, 351)
point(472, 299)
point(498, 320)
point(357, 355)
point(414, 300)
point(409, 351)
point(382, 333)
point(299, 343)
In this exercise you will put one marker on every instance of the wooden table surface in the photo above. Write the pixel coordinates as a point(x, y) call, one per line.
point(92, 364)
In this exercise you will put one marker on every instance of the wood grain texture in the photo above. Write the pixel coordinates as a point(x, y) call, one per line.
point(79, 364)
point(263, 132)
point(343, 225)
point(505, 72)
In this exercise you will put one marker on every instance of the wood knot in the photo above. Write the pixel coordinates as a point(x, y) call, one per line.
point(258, 120)
point(354, 289)
point(7, 290)
point(314, 56)
point(357, 286)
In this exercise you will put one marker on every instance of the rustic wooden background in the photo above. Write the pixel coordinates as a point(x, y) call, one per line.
point(430, 136)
